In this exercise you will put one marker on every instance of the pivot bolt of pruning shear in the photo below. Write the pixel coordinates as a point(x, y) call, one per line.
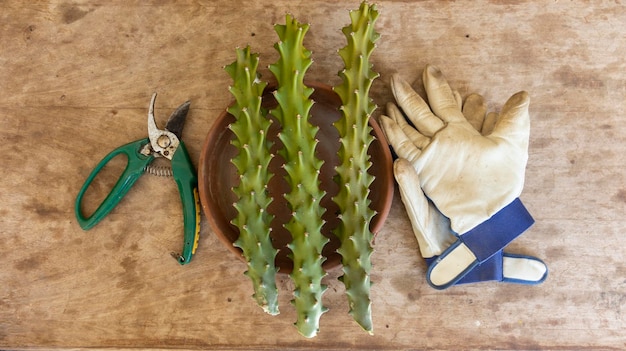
point(164, 141)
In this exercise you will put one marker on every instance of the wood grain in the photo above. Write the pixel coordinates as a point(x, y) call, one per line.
point(75, 82)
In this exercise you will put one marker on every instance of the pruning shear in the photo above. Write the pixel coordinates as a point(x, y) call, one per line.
point(165, 143)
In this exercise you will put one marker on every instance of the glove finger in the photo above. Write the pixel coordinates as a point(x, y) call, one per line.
point(458, 98)
point(513, 123)
point(415, 107)
point(417, 138)
point(431, 228)
point(440, 95)
point(474, 110)
point(489, 123)
point(401, 144)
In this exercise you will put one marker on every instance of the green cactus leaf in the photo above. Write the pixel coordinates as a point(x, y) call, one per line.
point(253, 220)
point(298, 138)
point(352, 173)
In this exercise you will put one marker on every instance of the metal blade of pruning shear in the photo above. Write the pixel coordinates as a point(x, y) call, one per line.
point(163, 142)
point(176, 121)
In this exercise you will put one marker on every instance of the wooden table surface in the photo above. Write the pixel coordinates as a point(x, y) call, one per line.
point(75, 82)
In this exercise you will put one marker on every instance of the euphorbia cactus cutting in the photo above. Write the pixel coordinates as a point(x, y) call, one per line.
point(297, 148)
point(354, 131)
point(253, 220)
point(298, 137)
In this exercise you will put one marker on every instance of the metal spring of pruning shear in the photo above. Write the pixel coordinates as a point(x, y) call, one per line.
point(165, 143)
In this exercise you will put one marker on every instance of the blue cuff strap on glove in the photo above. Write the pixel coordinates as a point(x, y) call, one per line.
point(490, 270)
point(505, 267)
point(497, 232)
point(479, 245)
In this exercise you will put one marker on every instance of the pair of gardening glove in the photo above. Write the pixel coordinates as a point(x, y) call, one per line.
point(460, 172)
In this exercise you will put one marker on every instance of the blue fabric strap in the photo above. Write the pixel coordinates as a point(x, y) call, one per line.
point(487, 271)
point(491, 236)
point(493, 270)
point(482, 243)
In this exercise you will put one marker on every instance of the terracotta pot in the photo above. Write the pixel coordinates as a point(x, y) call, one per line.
point(217, 176)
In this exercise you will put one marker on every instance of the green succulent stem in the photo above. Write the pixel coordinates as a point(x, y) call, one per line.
point(302, 167)
point(352, 172)
point(253, 220)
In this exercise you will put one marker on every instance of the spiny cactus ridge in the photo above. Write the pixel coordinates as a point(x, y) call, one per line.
point(302, 167)
point(352, 172)
point(253, 220)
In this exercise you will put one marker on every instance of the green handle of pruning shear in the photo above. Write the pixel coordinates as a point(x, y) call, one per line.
point(137, 162)
point(185, 177)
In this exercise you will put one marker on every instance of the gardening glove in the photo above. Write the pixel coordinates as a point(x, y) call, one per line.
point(432, 229)
point(434, 236)
point(474, 179)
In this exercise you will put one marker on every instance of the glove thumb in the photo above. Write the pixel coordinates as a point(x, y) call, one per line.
point(514, 122)
point(431, 228)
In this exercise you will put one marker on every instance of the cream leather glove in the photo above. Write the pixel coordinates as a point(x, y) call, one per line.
point(434, 236)
point(474, 179)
